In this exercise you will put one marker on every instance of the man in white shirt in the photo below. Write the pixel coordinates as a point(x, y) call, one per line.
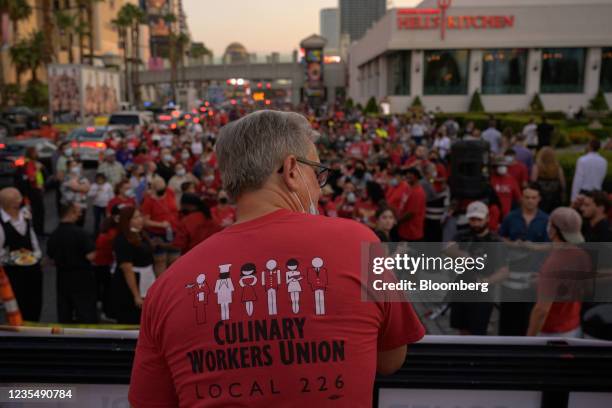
point(17, 237)
point(531, 133)
point(591, 170)
point(494, 137)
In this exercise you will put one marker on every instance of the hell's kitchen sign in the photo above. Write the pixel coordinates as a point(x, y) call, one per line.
point(431, 19)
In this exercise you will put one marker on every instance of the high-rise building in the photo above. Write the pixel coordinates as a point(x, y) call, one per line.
point(329, 21)
point(356, 16)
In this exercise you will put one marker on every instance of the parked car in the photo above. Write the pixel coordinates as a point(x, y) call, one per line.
point(21, 120)
point(12, 156)
point(128, 119)
point(89, 143)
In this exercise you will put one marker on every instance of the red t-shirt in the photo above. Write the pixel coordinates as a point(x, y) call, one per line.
point(413, 229)
point(161, 210)
point(118, 200)
point(188, 355)
point(224, 216)
point(104, 247)
point(507, 190)
point(193, 229)
point(556, 274)
point(397, 196)
point(519, 171)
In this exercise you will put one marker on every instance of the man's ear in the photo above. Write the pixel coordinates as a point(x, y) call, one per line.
point(290, 173)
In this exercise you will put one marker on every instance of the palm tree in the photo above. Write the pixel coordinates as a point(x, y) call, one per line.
point(18, 10)
point(48, 29)
point(67, 25)
point(138, 18)
point(39, 55)
point(122, 23)
point(20, 55)
point(198, 50)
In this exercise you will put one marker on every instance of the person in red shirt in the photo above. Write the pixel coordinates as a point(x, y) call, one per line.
point(124, 196)
point(262, 353)
point(517, 169)
point(195, 225)
point(412, 215)
point(506, 187)
point(397, 192)
point(565, 262)
point(104, 258)
point(223, 214)
point(161, 220)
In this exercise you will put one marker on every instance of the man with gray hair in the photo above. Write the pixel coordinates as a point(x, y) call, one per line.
point(270, 167)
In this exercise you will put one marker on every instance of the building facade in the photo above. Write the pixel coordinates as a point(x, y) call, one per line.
point(66, 49)
point(507, 50)
point(329, 22)
point(356, 16)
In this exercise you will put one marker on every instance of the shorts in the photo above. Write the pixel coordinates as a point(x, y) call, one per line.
point(163, 250)
point(471, 316)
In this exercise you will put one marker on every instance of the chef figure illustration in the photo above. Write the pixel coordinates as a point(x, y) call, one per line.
point(293, 278)
point(200, 291)
point(224, 289)
point(317, 279)
point(271, 279)
point(248, 280)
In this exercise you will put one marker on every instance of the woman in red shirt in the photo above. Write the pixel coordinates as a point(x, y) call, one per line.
point(123, 196)
point(161, 220)
point(196, 223)
point(104, 258)
point(224, 214)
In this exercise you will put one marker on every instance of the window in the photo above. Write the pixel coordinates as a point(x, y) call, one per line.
point(605, 80)
point(504, 71)
point(446, 72)
point(562, 70)
point(398, 78)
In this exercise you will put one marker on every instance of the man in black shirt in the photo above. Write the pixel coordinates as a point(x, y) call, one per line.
point(545, 131)
point(594, 209)
point(72, 249)
point(472, 317)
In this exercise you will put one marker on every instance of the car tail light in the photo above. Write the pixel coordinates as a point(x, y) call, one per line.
point(19, 162)
point(93, 145)
point(173, 126)
point(2, 145)
point(90, 129)
point(165, 117)
point(187, 117)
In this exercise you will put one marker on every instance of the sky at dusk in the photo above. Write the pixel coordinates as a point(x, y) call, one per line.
point(262, 26)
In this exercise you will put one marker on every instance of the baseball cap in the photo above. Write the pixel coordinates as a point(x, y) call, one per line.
point(477, 209)
point(568, 221)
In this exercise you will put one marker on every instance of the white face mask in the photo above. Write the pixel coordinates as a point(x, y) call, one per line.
point(502, 170)
point(312, 209)
point(167, 157)
point(180, 172)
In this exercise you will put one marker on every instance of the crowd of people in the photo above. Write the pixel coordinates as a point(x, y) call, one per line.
point(157, 193)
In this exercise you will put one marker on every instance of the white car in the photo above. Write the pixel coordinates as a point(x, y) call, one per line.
point(126, 119)
point(89, 143)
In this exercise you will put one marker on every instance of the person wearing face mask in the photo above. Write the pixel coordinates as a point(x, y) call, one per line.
point(111, 168)
point(60, 169)
point(516, 169)
point(74, 189)
point(223, 213)
point(181, 175)
point(472, 318)
point(160, 214)
point(124, 196)
point(397, 191)
point(134, 275)
point(269, 164)
point(208, 187)
point(195, 224)
point(505, 186)
point(165, 166)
